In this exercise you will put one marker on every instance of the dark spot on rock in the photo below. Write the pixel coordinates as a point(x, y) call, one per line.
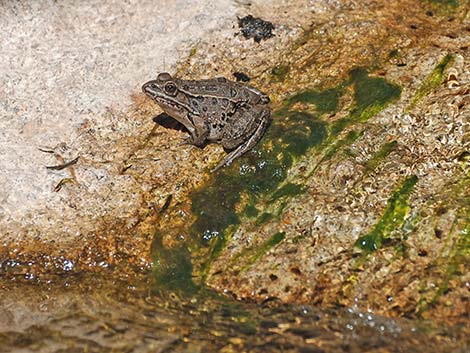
point(413, 27)
point(263, 291)
point(429, 13)
point(287, 289)
point(464, 156)
point(438, 233)
point(273, 277)
point(305, 332)
point(268, 324)
point(295, 271)
point(240, 76)
point(256, 28)
point(422, 253)
point(313, 349)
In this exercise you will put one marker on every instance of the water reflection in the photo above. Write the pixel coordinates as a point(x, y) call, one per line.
point(114, 315)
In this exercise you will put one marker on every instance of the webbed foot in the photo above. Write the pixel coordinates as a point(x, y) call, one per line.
point(245, 146)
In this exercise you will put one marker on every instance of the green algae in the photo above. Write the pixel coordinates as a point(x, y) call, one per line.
point(459, 256)
point(379, 156)
point(331, 150)
point(371, 95)
point(259, 173)
point(279, 73)
point(252, 255)
point(256, 175)
point(445, 3)
point(324, 101)
point(434, 80)
point(264, 217)
point(456, 257)
point(287, 190)
point(251, 211)
point(172, 269)
point(393, 218)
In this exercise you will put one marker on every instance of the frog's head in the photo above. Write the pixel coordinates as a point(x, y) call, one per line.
point(164, 90)
point(163, 87)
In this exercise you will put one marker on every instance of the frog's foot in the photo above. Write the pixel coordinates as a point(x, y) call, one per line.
point(194, 140)
point(186, 141)
point(244, 147)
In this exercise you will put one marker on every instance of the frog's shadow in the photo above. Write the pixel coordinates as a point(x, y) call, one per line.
point(168, 122)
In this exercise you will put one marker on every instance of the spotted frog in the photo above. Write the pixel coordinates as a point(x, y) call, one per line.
point(214, 110)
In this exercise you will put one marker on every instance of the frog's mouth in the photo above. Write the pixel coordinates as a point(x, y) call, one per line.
point(152, 90)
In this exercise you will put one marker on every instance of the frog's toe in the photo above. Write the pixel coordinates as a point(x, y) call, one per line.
point(224, 162)
point(186, 141)
point(244, 147)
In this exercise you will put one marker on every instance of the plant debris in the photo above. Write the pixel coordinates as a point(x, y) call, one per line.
point(256, 28)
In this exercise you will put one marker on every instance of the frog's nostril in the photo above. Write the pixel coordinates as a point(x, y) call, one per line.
point(148, 86)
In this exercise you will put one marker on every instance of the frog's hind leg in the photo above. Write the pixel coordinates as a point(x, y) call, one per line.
point(245, 146)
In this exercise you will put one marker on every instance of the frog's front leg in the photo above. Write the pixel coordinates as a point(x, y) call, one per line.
point(263, 122)
point(197, 128)
point(199, 131)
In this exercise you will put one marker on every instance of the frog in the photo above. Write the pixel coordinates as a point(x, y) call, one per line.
point(215, 110)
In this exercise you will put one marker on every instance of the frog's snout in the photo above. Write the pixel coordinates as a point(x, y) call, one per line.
point(145, 87)
point(150, 88)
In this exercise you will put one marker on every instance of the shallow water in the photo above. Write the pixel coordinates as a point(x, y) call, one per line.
point(93, 314)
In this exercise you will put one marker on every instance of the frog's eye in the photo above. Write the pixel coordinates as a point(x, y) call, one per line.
point(170, 88)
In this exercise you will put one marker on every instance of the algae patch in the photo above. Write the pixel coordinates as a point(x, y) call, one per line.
point(371, 95)
point(324, 101)
point(434, 80)
point(279, 72)
point(254, 254)
point(172, 268)
point(287, 190)
point(257, 174)
point(384, 151)
point(392, 219)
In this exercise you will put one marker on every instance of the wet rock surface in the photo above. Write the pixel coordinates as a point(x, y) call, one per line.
point(363, 166)
point(98, 315)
